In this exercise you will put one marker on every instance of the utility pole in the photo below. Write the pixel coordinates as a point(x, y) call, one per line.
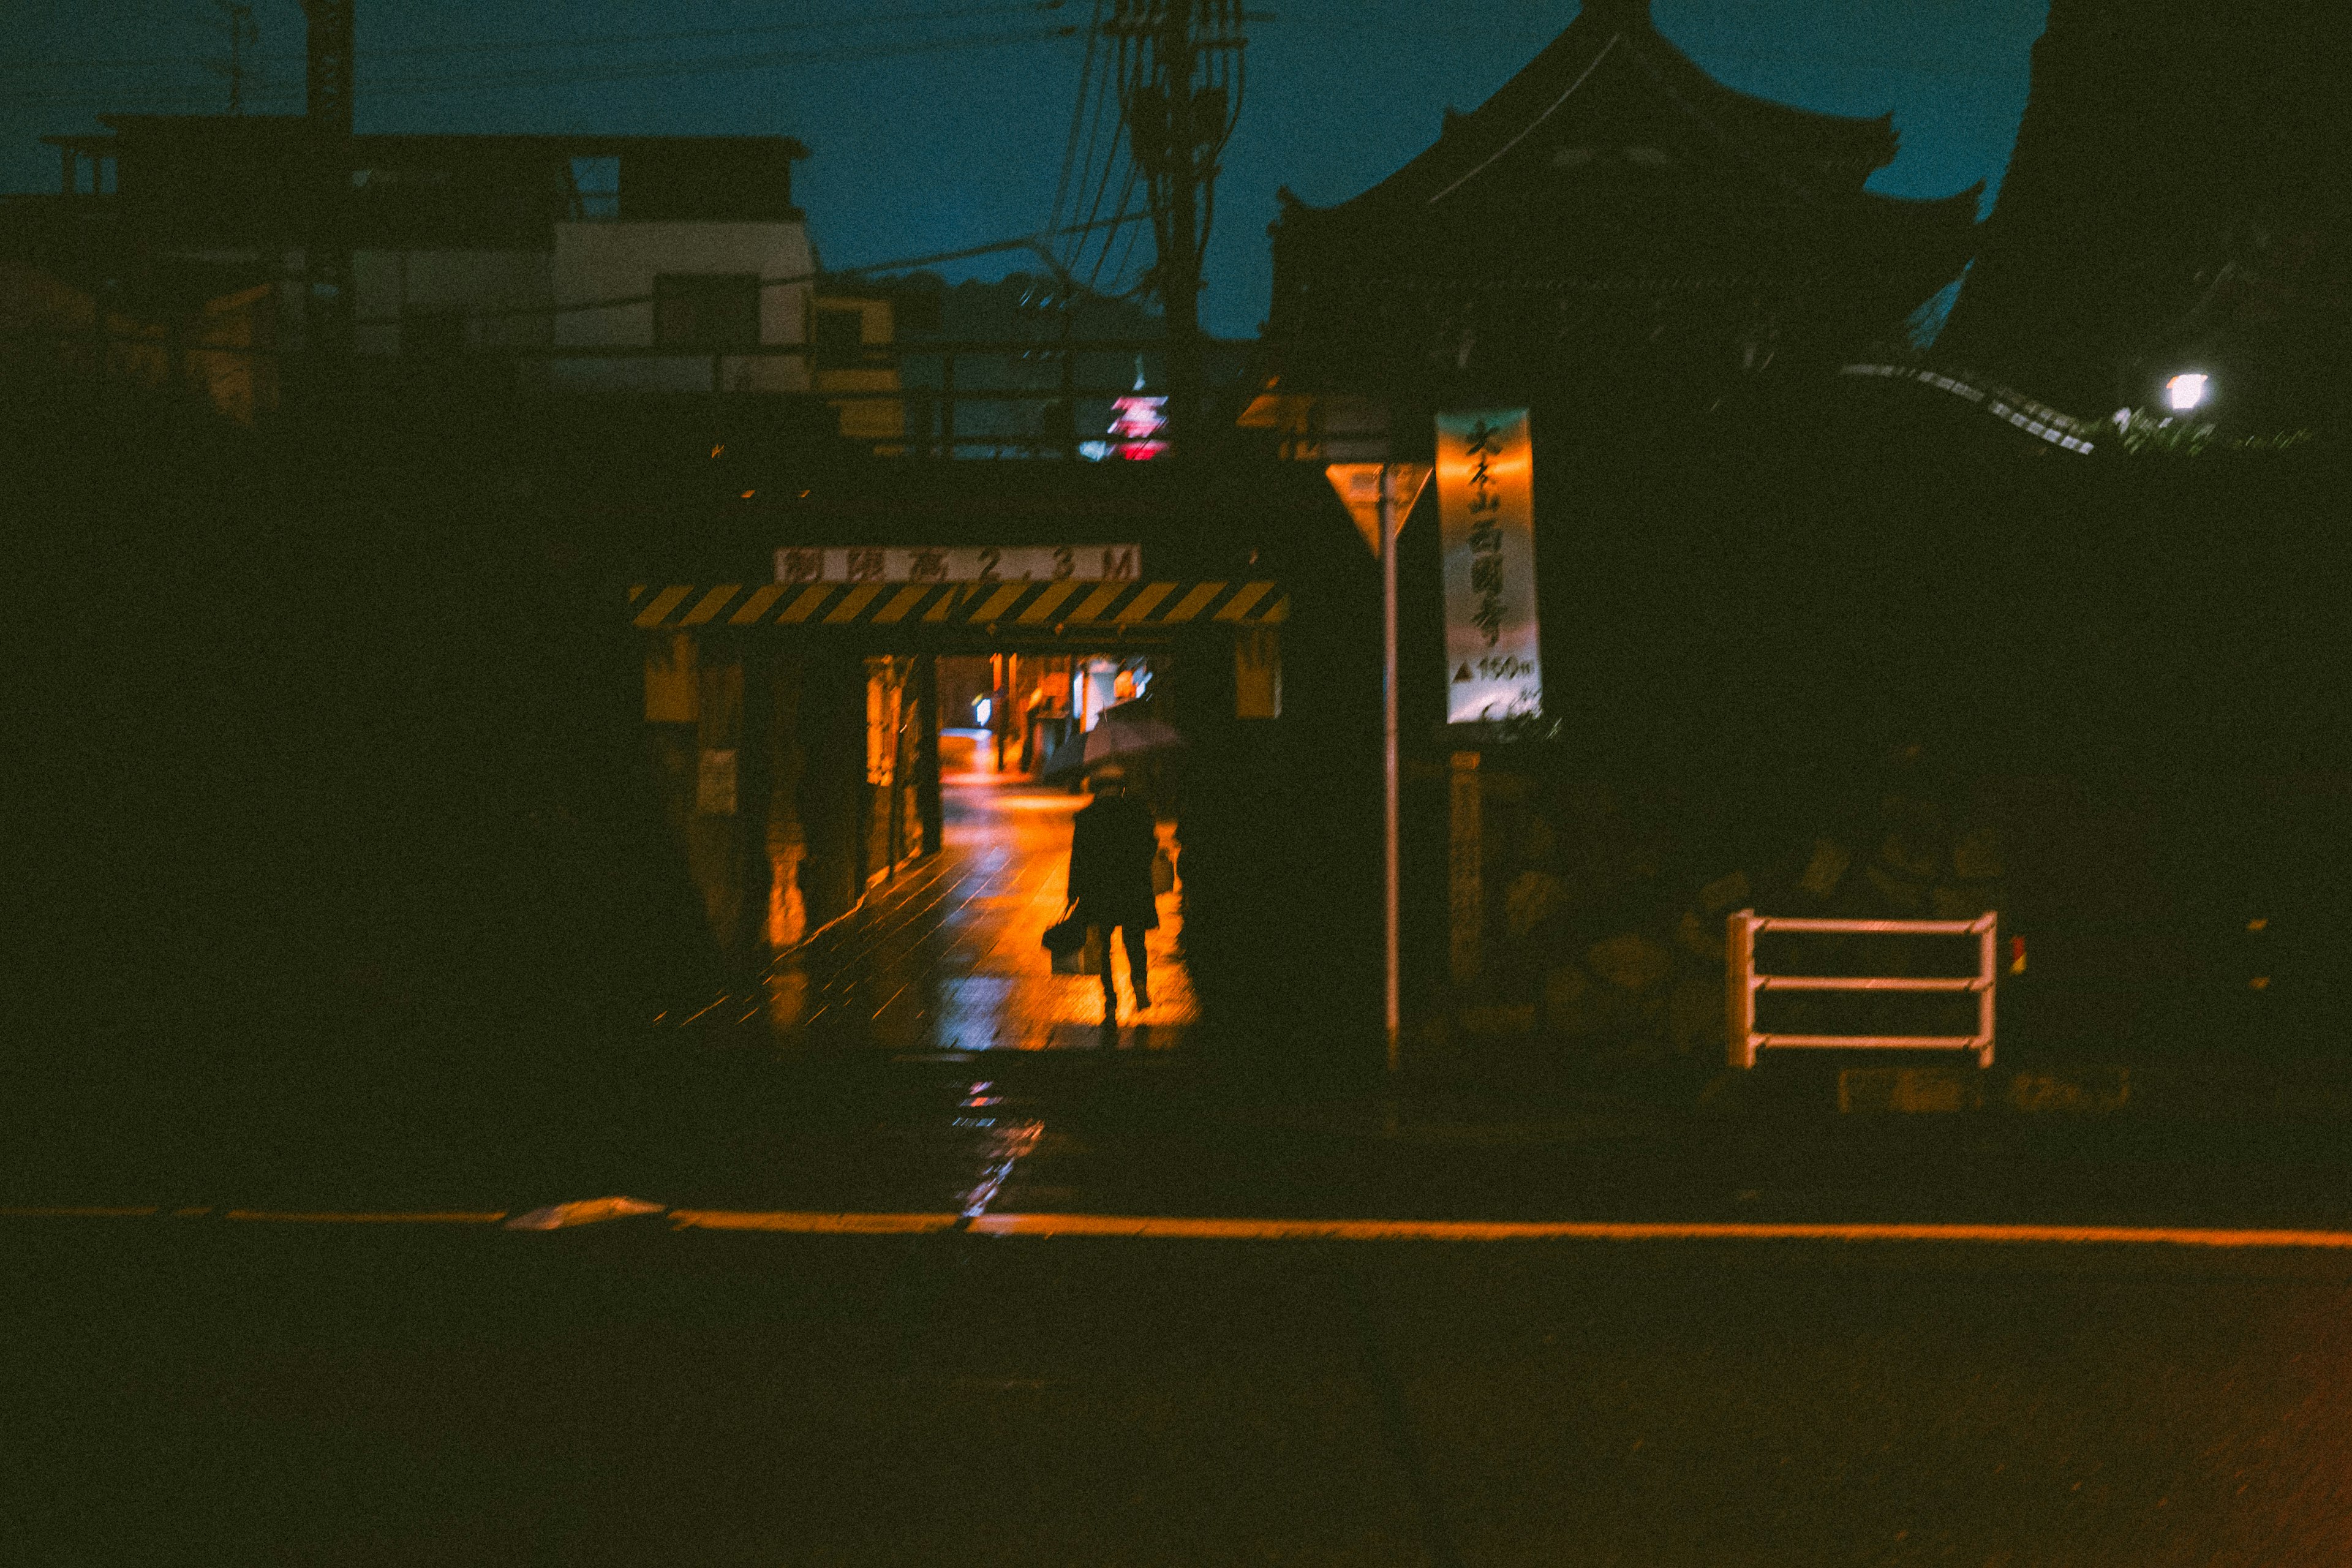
point(327, 245)
point(242, 32)
point(1391, 944)
point(1181, 74)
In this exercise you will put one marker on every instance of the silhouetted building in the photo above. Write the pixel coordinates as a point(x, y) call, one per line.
point(2178, 201)
point(460, 244)
point(1613, 224)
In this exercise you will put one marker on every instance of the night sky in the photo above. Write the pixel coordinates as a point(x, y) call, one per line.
point(937, 124)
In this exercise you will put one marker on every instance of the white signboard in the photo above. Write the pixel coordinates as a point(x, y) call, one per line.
point(1486, 501)
point(987, 564)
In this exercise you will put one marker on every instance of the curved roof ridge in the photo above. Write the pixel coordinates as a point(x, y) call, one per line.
point(1705, 121)
point(1811, 154)
point(1528, 129)
point(1817, 131)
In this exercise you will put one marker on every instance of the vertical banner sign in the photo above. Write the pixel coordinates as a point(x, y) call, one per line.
point(1486, 503)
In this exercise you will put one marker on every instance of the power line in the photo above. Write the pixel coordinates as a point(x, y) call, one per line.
point(242, 33)
point(1077, 113)
point(419, 87)
point(1035, 242)
point(602, 40)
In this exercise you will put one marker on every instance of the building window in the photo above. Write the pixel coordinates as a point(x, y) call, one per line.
point(837, 337)
point(706, 311)
point(595, 187)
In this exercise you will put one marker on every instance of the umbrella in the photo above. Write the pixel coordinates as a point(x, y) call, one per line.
point(1066, 761)
point(1127, 732)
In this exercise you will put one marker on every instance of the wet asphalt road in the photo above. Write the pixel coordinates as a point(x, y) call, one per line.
point(181, 1385)
point(193, 1388)
point(199, 1391)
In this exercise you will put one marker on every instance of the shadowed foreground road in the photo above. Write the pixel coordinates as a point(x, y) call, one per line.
point(198, 1390)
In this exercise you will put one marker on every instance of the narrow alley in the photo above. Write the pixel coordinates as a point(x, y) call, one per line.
point(947, 956)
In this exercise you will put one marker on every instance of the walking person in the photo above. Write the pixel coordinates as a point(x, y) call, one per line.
point(1112, 844)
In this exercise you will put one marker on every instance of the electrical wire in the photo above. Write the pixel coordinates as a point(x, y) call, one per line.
point(433, 86)
point(1106, 109)
point(904, 264)
point(1077, 113)
point(1127, 193)
point(603, 41)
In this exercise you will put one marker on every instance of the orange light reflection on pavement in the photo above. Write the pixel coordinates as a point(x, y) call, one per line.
point(811, 1224)
point(282, 1217)
point(1049, 1224)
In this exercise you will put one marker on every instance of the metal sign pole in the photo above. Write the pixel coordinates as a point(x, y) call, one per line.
point(1390, 1001)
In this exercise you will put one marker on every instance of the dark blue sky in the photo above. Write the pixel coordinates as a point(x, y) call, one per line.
point(918, 152)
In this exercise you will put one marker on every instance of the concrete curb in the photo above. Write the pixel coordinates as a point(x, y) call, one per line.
point(2163, 1090)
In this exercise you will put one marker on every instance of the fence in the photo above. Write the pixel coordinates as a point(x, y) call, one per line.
point(1742, 983)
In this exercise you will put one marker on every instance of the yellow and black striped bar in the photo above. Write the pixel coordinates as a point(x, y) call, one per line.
point(966, 606)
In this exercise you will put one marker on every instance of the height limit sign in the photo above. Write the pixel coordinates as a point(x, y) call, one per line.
point(1486, 501)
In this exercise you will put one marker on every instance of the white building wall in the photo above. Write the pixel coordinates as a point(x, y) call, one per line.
point(610, 260)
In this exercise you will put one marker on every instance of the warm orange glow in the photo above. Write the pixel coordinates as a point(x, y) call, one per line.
point(787, 922)
point(1180, 1227)
point(1044, 1224)
point(811, 1224)
point(282, 1217)
point(747, 495)
point(717, 449)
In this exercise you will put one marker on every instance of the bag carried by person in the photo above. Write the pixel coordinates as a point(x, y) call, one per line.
point(1164, 873)
point(1065, 939)
point(1086, 958)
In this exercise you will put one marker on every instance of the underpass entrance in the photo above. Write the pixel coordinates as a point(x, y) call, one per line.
point(874, 782)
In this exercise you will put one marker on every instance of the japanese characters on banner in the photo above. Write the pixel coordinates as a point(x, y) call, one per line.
point(1012, 564)
point(1486, 501)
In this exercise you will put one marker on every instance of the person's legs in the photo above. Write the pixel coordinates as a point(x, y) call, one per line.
point(1110, 982)
point(1138, 973)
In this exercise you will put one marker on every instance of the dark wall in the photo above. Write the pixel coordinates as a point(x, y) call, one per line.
point(344, 790)
point(2132, 669)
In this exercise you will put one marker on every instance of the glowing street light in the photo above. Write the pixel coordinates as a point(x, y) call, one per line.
point(2184, 391)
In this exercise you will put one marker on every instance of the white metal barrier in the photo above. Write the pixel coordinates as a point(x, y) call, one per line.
point(1742, 983)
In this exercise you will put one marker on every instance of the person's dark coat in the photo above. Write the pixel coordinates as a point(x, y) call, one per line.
point(1111, 846)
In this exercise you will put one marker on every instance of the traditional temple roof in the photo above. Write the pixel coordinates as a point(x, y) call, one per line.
point(1605, 115)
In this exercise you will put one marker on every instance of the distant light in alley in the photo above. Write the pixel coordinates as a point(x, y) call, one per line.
point(2185, 390)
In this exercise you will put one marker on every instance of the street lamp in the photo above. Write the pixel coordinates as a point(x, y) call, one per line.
point(2184, 391)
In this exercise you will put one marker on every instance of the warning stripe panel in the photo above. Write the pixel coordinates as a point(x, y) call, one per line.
point(1098, 602)
point(666, 601)
point(1238, 607)
point(997, 603)
point(1046, 603)
point(711, 604)
point(856, 599)
point(1124, 605)
point(1140, 608)
point(1194, 602)
point(756, 605)
point(804, 604)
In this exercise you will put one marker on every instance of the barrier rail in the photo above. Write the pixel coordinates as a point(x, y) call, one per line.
point(1742, 982)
